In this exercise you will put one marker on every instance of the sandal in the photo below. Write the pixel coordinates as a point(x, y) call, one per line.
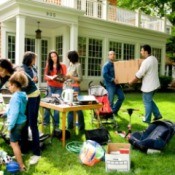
point(23, 169)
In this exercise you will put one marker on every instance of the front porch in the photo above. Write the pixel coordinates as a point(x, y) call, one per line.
point(101, 9)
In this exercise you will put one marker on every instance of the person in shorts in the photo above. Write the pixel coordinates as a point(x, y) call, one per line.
point(16, 118)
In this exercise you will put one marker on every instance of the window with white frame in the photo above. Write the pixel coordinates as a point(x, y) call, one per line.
point(157, 52)
point(30, 44)
point(90, 52)
point(117, 48)
point(44, 52)
point(94, 57)
point(124, 51)
point(128, 51)
point(11, 48)
point(82, 52)
point(59, 46)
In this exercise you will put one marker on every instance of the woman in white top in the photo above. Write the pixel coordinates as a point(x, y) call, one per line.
point(74, 74)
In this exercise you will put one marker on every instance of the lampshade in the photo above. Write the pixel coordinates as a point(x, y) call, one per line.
point(38, 32)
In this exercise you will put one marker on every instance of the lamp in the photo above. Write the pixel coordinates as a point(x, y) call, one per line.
point(38, 32)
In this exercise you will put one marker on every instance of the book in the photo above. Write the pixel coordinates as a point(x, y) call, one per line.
point(52, 77)
point(59, 77)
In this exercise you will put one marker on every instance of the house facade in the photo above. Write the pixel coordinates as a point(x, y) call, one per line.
point(92, 27)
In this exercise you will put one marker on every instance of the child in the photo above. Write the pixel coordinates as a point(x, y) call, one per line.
point(16, 117)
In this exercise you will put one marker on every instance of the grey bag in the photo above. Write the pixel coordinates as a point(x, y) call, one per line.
point(97, 90)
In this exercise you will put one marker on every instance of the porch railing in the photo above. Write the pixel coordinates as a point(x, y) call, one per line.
point(102, 10)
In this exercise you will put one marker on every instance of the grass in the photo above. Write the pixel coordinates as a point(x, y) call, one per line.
point(57, 160)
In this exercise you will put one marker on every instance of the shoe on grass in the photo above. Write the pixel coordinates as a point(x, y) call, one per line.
point(145, 121)
point(34, 159)
point(158, 118)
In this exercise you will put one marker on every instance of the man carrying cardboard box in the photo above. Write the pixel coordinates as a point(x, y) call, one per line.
point(150, 83)
point(111, 84)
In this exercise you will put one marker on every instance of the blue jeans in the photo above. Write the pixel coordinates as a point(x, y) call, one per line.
point(112, 91)
point(150, 106)
point(81, 124)
point(56, 116)
point(32, 121)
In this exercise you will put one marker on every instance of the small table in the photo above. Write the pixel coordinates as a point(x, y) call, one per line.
point(67, 108)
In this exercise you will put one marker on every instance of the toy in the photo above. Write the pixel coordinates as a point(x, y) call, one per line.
point(12, 167)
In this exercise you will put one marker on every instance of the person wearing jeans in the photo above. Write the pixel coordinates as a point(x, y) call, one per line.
point(56, 116)
point(74, 76)
point(112, 91)
point(33, 94)
point(148, 72)
point(81, 124)
point(55, 85)
point(150, 106)
point(111, 84)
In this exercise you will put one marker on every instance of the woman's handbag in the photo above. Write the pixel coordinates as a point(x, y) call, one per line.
point(100, 135)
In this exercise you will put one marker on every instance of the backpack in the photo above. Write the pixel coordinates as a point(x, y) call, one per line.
point(99, 135)
point(156, 136)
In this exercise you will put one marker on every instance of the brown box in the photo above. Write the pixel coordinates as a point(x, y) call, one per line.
point(126, 70)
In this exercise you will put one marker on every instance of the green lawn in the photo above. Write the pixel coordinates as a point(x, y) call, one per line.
point(57, 160)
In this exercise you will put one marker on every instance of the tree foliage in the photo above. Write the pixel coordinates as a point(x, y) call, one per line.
point(161, 8)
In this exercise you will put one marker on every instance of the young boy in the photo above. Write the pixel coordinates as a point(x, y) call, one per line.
point(16, 117)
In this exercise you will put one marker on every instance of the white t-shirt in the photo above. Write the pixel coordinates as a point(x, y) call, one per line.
point(149, 73)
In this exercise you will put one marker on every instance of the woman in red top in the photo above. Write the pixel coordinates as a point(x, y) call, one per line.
point(53, 69)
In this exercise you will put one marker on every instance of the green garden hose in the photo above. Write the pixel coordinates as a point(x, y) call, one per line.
point(74, 146)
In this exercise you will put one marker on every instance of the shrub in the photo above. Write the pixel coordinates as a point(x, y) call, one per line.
point(165, 81)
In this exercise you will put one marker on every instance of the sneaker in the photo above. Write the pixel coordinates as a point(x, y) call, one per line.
point(34, 159)
point(158, 118)
point(144, 120)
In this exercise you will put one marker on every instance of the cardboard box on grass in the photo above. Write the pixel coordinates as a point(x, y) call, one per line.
point(117, 157)
point(126, 70)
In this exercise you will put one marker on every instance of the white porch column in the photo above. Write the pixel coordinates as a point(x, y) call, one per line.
point(20, 37)
point(95, 9)
point(83, 5)
point(3, 41)
point(167, 70)
point(105, 10)
point(105, 51)
point(137, 51)
point(173, 72)
point(163, 24)
point(138, 18)
point(38, 60)
point(73, 37)
point(162, 68)
point(66, 44)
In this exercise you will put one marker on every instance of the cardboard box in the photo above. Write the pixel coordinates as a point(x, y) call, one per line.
point(126, 70)
point(117, 157)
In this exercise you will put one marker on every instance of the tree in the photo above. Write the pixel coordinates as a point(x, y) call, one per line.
point(161, 8)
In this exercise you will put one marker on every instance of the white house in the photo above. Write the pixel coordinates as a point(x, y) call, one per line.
point(93, 27)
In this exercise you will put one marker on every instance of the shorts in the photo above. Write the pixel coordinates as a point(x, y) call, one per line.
point(15, 134)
